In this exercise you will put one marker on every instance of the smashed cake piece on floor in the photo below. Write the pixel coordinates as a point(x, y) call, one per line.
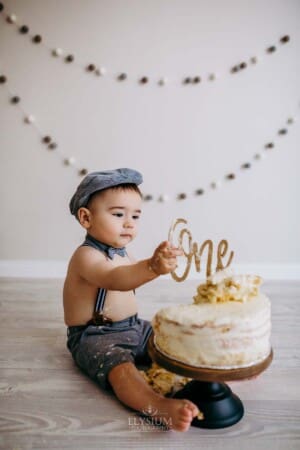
point(162, 381)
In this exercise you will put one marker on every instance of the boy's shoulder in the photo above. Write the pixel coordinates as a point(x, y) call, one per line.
point(87, 252)
point(85, 256)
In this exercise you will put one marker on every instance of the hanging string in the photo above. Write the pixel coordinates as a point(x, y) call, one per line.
point(51, 144)
point(98, 70)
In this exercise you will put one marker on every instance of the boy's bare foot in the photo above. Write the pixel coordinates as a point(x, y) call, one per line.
point(176, 414)
point(132, 390)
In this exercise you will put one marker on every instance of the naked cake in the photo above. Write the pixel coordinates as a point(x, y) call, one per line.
point(228, 325)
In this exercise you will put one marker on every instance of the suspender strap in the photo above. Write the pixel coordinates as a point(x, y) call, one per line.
point(100, 299)
point(98, 317)
point(99, 304)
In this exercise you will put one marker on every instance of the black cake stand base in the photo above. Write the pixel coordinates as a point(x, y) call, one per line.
point(220, 406)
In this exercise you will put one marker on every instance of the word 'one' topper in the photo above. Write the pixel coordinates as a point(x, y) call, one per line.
point(191, 250)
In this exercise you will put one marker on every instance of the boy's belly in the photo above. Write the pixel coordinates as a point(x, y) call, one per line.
point(79, 310)
point(120, 305)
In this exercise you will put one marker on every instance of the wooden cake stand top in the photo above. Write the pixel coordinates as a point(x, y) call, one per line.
point(204, 374)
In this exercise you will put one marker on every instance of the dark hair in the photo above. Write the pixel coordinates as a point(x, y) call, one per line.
point(118, 187)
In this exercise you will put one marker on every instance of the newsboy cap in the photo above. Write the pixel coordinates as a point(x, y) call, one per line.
point(97, 181)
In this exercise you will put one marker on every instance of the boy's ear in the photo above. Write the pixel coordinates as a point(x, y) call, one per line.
point(84, 217)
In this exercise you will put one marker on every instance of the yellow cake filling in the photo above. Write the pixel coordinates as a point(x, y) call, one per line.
point(221, 288)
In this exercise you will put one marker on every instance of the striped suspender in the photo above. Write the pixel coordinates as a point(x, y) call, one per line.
point(101, 292)
point(98, 317)
point(100, 300)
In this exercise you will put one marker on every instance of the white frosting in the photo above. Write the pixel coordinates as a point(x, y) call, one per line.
point(223, 335)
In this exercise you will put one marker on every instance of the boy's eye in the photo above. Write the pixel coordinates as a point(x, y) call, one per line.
point(118, 214)
point(135, 217)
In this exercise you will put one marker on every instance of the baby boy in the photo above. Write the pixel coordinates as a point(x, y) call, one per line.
point(106, 337)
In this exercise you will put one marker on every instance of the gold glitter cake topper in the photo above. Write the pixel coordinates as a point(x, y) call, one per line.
point(193, 251)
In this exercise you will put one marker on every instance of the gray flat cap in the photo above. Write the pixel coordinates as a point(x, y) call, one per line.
point(97, 181)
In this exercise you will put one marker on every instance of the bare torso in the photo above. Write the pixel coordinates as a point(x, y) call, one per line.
point(79, 296)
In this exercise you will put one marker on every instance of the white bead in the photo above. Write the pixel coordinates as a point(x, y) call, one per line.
point(57, 52)
point(101, 71)
point(70, 161)
point(12, 18)
point(163, 81)
point(29, 119)
point(215, 184)
point(163, 198)
point(259, 156)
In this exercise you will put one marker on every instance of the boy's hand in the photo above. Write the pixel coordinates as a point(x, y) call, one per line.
point(164, 259)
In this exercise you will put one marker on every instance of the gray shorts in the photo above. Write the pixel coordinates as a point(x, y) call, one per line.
point(97, 349)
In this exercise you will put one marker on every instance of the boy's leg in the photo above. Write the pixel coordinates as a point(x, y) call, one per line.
point(132, 390)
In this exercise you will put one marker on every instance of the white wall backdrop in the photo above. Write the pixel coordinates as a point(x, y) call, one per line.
point(180, 137)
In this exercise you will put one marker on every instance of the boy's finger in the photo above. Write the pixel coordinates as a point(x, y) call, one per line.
point(163, 245)
point(176, 252)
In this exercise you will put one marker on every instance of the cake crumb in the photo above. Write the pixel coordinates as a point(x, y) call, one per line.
point(200, 415)
point(162, 381)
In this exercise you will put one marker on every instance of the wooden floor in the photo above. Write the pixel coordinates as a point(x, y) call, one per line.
point(47, 403)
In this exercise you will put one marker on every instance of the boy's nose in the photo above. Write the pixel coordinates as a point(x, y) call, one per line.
point(128, 223)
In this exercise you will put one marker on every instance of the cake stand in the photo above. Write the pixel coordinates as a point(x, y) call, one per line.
point(220, 406)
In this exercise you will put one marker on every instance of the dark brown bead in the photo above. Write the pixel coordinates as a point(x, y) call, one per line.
point(283, 131)
point(52, 146)
point(285, 39)
point(91, 67)
point(3, 79)
point(46, 139)
point(144, 80)
point(199, 191)
point(15, 99)
point(246, 165)
point(1, 7)
point(269, 145)
point(243, 65)
point(69, 58)
point(234, 69)
point(196, 80)
point(230, 176)
point(147, 197)
point(82, 172)
point(122, 77)
point(182, 196)
point(271, 49)
point(24, 29)
point(37, 39)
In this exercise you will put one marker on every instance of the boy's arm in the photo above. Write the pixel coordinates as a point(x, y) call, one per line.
point(127, 277)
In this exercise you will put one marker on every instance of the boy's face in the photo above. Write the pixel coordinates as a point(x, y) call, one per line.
point(113, 216)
